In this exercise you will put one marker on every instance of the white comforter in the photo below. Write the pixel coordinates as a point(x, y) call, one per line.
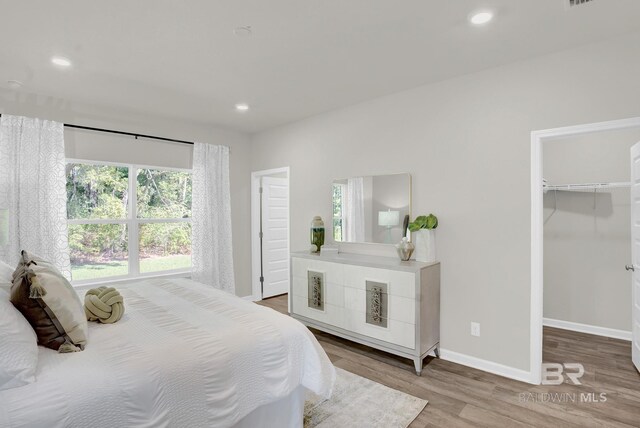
point(183, 355)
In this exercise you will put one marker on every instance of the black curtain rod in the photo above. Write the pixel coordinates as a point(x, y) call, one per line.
point(131, 134)
point(111, 131)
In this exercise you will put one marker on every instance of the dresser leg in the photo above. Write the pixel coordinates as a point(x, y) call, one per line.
point(436, 351)
point(417, 362)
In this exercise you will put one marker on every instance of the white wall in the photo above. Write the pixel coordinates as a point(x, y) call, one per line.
point(92, 146)
point(466, 142)
point(587, 238)
point(100, 146)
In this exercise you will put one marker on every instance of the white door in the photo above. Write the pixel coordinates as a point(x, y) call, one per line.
point(275, 236)
point(635, 254)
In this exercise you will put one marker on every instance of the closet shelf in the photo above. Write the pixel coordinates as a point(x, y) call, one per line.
point(584, 187)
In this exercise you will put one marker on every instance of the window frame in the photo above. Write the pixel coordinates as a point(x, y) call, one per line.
point(343, 217)
point(133, 223)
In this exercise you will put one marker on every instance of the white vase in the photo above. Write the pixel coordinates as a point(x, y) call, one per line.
point(425, 242)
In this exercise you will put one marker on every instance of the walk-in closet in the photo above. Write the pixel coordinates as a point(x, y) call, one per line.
point(587, 245)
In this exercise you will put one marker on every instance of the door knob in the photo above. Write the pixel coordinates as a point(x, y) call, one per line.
point(630, 267)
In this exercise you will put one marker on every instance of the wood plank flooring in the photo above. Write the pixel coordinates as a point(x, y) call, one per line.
point(460, 396)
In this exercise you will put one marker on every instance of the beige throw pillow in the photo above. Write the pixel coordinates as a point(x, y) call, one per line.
point(50, 304)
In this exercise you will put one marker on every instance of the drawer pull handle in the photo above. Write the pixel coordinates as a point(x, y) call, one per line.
point(317, 293)
point(376, 305)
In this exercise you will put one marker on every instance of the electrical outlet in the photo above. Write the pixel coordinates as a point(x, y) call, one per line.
point(475, 329)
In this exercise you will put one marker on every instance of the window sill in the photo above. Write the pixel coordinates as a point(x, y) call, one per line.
point(119, 279)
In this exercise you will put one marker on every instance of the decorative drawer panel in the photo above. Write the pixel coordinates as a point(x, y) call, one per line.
point(333, 293)
point(400, 283)
point(333, 272)
point(396, 332)
point(330, 314)
point(377, 304)
point(398, 308)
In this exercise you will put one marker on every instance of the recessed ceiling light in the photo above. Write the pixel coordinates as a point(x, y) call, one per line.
point(481, 18)
point(61, 61)
point(242, 107)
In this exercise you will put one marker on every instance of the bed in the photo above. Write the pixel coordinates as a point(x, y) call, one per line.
point(183, 355)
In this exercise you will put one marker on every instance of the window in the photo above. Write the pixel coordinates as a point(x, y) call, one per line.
point(339, 192)
point(127, 220)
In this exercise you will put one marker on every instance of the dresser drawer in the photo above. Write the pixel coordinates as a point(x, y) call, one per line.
point(333, 272)
point(395, 332)
point(330, 314)
point(399, 283)
point(397, 308)
point(333, 293)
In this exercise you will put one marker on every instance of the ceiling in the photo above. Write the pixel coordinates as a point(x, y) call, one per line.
point(181, 59)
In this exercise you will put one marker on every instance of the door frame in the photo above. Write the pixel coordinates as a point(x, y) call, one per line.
point(537, 227)
point(256, 292)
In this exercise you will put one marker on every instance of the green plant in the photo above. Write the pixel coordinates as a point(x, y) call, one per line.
point(424, 222)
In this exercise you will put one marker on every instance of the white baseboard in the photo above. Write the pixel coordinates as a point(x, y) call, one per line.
point(250, 298)
point(586, 328)
point(487, 366)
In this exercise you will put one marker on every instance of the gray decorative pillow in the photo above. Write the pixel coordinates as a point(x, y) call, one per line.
point(50, 304)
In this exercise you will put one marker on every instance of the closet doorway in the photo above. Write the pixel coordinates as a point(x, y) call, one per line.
point(583, 225)
point(270, 232)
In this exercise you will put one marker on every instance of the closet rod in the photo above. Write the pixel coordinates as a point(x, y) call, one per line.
point(585, 186)
point(131, 134)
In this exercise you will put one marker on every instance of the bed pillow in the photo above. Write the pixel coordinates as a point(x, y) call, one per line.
point(18, 347)
point(50, 304)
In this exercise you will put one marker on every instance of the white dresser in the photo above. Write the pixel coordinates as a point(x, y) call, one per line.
point(377, 301)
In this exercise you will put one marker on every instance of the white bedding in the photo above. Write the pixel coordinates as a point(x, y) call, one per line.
point(183, 355)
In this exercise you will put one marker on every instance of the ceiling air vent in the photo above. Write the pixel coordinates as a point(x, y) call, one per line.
point(574, 3)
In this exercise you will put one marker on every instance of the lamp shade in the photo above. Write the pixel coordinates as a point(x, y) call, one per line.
point(388, 218)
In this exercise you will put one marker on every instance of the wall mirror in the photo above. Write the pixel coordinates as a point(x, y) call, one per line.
point(372, 209)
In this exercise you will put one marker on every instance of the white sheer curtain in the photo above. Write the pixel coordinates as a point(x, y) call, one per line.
point(354, 231)
point(212, 252)
point(33, 196)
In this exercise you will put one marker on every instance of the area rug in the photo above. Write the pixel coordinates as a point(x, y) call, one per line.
point(360, 402)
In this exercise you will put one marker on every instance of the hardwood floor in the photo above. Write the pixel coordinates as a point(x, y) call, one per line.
point(460, 396)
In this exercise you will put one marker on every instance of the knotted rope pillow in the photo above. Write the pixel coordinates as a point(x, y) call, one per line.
point(103, 304)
